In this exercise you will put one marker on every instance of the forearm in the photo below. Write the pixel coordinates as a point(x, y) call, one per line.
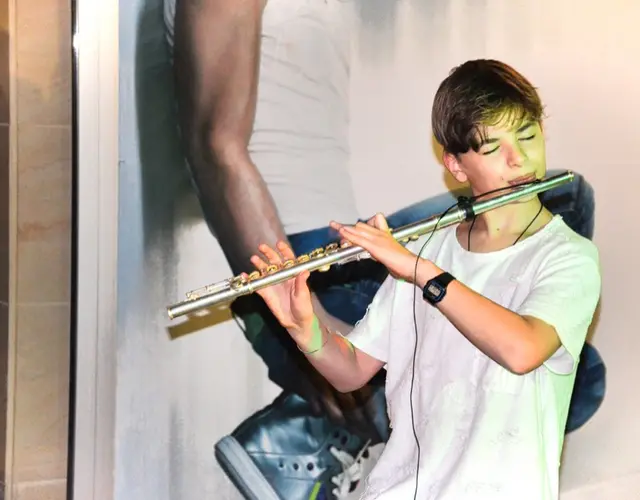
point(216, 61)
point(501, 334)
point(239, 207)
point(333, 356)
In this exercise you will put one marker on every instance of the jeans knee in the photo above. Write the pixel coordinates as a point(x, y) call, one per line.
point(575, 202)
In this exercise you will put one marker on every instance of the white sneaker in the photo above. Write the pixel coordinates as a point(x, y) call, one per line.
point(349, 484)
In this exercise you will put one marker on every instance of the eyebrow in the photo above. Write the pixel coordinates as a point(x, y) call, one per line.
point(520, 130)
point(525, 126)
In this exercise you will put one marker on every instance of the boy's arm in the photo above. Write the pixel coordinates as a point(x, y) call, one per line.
point(345, 367)
point(556, 314)
point(348, 364)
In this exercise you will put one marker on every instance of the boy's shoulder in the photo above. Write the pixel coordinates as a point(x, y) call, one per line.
point(566, 259)
point(562, 241)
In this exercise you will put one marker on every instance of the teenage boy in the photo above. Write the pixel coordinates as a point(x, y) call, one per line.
point(479, 325)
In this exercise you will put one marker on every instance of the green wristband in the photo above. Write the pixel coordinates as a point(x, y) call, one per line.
point(317, 334)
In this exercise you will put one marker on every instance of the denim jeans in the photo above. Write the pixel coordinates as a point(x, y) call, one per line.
point(346, 291)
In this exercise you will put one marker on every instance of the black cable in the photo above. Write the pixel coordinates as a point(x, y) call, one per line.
point(517, 239)
point(415, 345)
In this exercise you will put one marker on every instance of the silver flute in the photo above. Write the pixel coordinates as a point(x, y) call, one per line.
point(321, 259)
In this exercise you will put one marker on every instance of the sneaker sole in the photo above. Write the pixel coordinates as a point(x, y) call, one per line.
point(242, 471)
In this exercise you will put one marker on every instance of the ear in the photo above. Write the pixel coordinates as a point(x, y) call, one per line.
point(452, 164)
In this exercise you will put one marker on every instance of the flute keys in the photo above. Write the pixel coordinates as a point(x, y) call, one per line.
point(238, 281)
point(318, 253)
point(208, 290)
point(288, 263)
point(303, 258)
point(331, 248)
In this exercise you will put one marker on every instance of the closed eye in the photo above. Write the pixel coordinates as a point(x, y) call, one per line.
point(528, 138)
point(491, 151)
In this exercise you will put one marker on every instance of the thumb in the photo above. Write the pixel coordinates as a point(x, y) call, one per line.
point(381, 222)
point(301, 282)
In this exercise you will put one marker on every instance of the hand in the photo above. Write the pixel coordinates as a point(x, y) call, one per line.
point(375, 237)
point(290, 301)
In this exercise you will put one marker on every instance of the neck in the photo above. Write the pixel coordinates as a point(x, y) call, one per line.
point(511, 220)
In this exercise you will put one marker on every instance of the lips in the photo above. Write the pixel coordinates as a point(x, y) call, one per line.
point(522, 180)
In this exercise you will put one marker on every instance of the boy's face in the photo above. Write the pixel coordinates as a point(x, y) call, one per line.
point(511, 153)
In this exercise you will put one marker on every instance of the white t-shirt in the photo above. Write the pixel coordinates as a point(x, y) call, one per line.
point(484, 432)
point(300, 140)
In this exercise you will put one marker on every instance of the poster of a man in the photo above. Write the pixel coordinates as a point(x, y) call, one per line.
point(262, 94)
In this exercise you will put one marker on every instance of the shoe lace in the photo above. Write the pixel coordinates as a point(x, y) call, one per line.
point(352, 471)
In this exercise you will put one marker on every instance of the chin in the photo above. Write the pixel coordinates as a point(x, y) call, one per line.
point(527, 199)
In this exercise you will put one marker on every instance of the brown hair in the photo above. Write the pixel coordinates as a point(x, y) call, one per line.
point(480, 93)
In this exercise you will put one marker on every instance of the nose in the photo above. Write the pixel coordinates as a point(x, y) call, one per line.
point(515, 155)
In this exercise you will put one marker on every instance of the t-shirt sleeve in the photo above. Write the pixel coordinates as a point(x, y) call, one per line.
point(372, 333)
point(564, 295)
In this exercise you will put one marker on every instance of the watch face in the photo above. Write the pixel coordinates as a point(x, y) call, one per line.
point(434, 290)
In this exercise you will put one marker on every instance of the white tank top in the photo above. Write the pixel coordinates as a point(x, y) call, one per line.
point(300, 141)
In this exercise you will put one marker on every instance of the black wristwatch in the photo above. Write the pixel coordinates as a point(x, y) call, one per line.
point(436, 288)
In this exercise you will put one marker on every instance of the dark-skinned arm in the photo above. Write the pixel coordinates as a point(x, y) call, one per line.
point(216, 68)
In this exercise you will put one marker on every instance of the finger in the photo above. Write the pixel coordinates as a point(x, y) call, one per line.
point(373, 221)
point(356, 416)
point(272, 256)
point(308, 391)
point(316, 406)
point(353, 235)
point(301, 286)
point(260, 264)
point(366, 229)
point(285, 250)
point(366, 402)
point(335, 225)
point(342, 228)
point(332, 409)
point(376, 226)
point(380, 222)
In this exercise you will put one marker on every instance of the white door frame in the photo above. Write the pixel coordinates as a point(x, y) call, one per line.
point(92, 408)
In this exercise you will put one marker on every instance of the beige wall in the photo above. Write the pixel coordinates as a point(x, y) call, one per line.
point(35, 310)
